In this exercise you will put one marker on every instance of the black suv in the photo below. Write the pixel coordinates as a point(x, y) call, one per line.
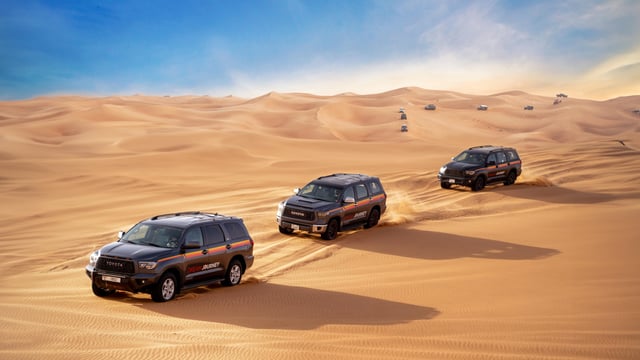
point(332, 203)
point(167, 253)
point(481, 165)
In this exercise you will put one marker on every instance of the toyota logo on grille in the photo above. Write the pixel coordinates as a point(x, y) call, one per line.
point(298, 213)
point(114, 264)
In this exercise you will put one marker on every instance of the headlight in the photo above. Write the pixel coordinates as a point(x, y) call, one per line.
point(280, 208)
point(469, 172)
point(323, 214)
point(93, 258)
point(443, 169)
point(147, 265)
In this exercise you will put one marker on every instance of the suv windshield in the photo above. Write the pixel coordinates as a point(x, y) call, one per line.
point(471, 158)
point(154, 235)
point(320, 192)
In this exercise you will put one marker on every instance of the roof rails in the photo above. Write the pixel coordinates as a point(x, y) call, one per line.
point(480, 146)
point(176, 214)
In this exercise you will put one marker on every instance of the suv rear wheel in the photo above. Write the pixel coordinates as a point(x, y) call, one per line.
point(511, 178)
point(234, 274)
point(373, 219)
point(165, 289)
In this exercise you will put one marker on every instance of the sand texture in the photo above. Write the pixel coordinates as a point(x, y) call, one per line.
point(548, 268)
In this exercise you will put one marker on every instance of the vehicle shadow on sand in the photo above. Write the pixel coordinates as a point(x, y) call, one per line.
point(261, 305)
point(431, 245)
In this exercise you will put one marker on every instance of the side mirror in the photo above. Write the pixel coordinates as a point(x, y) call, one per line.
point(296, 191)
point(120, 234)
point(349, 200)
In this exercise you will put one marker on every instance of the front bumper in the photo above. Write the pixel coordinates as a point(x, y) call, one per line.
point(297, 225)
point(112, 281)
point(455, 180)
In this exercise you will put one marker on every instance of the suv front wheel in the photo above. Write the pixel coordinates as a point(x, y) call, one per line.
point(332, 230)
point(165, 289)
point(478, 184)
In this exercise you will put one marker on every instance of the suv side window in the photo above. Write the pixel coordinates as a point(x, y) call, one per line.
point(361, 192)
point(235, 230)
point(348, 192)
point(512, 155)
point(374, 187)
point(491, 159)
point(213, 235)
point(502, 158)
point(193, 236)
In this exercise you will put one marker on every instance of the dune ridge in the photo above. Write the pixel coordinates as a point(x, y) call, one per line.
point(544, 269)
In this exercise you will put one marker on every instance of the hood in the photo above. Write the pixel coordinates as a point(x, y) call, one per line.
point(136, 252)
point(460, 166)
point(310, 204)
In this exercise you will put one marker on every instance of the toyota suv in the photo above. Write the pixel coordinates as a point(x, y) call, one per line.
point(169, 253)
point(481, 165)
point(332, 203)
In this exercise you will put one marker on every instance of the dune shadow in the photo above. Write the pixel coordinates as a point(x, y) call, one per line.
point(553, 194)
point(260, 305)
point(430, 245)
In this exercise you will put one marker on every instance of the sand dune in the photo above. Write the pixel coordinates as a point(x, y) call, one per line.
point(544, 269)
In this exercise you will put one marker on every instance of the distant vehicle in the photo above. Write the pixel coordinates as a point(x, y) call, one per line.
point(528, 107)
point(401, 110)
point(332, 203)
point(562, 95)
point(430, 107)
point(481, 165)
point(483, 107)
point(636, 111)
point(557, 101)
point(403, 116)
point(404, 128)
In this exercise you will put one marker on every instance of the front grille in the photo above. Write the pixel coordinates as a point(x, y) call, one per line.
point(299, 214)
point(454, 173)
point(115, 265)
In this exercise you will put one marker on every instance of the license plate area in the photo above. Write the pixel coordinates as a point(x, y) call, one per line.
point(295, 227)
point(452, 181)
point(113, 279)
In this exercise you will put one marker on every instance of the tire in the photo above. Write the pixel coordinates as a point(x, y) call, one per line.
point(478, 184)
point(97, 291)
point(511, 178)
point(332, 230)
point(374, 217)
point(284, 230)
point(234, 274)
point(165, 289)
point(445, 185)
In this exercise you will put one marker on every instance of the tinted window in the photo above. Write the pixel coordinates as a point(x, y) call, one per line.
point(512, 155)
point(213, 235)
point(375, 187)
point(235, 230)
point(491, 159)
point(502, 158)
point(348, 192)
point(361, 192)
point(193, 236)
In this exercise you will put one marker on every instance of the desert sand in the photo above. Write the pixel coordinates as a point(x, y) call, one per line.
point(548, 268)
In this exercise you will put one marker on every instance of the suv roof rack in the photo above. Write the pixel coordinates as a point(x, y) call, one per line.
point(177, 214)
point(480, 146)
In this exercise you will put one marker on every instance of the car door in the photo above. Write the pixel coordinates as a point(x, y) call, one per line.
point(492, 167)
point(197, 257)
point(349, 206)
point(363, 203)
point(502, 165)
point(214, 240)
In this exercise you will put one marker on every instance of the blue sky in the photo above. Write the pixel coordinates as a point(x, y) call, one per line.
point(249, 48)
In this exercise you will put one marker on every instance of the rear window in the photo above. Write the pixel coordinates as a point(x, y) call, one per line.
point(512, 155)
point(375, 187)
point(236, 230)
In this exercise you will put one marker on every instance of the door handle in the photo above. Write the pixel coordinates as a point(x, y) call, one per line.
point(228, 246)
point(205, 251)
